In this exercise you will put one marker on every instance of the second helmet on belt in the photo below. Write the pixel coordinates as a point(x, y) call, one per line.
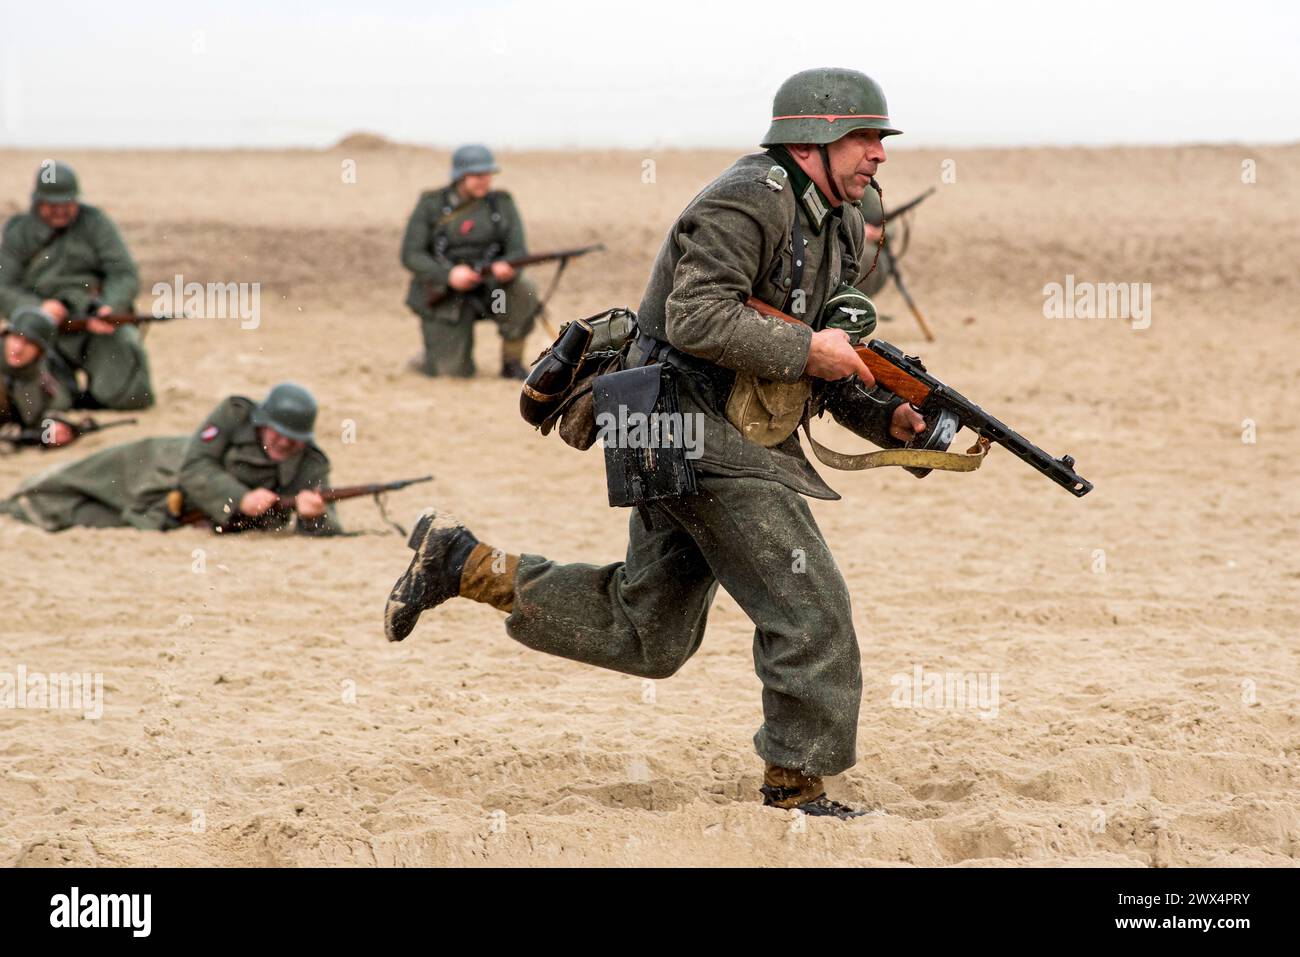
point(822, 105)
point(290, 410)
point(472, 158)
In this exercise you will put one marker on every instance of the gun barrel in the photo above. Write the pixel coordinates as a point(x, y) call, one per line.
point(1059, 470)
point(909, 205)
point(373, 488)
point(534, 258)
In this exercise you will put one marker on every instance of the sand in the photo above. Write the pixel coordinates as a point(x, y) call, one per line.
point(1144, 639)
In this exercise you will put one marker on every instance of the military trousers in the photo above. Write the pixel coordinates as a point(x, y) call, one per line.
point(448, 327)
point(116, 366)
point(646, 615)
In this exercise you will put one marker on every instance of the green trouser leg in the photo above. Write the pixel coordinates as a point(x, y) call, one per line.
point(646, 616)
point(515, 309)
point(116, 366)
point(448, 327)
point(448, 330)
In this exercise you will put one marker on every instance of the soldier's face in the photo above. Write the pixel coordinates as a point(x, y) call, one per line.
point(854, 160)
point(57, 215)
point(20, 351)
point(279, 448)
point(476, 185)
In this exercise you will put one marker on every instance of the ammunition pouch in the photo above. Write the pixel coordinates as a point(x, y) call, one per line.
point(767, 412)
point(641, 428)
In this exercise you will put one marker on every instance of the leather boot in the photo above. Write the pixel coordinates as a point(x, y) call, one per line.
point(433, 575)
point(794, 790)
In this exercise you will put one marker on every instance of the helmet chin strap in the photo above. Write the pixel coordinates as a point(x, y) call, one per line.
point(830, 180)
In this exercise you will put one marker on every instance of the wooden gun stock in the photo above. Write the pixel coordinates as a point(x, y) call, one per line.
point(887, 374)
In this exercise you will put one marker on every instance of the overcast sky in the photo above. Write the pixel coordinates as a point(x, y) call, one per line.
point(665, 73)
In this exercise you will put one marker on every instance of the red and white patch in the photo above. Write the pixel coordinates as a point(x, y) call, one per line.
point(210, 433)
point(466, 226)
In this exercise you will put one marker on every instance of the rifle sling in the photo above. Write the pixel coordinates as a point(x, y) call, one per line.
point(967, 461)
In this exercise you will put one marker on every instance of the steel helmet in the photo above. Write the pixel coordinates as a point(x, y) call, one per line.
point(822, 105)
point(472, 158)
point(55, 183)
point(290, 410)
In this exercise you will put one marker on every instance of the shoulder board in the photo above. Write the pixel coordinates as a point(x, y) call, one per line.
point(775, 178)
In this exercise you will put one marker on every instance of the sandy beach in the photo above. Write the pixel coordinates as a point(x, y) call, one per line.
point(1144, 639)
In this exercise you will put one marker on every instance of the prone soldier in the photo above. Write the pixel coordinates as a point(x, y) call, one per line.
point(238, 467)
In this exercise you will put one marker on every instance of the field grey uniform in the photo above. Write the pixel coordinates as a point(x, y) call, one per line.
point(748, 527)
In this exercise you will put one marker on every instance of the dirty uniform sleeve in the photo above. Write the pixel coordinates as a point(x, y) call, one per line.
point(121, 278)
point(315, 473)
point(725, 241)
point(14, 252)
point(515, 245)
point(417, 244)
point(202, 477)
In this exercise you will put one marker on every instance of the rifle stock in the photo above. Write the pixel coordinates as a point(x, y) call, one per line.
point(888, 375)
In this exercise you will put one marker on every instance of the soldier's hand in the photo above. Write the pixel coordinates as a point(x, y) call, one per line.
point(257, 501)
point(463, 277)
point(98, 326)
point(502, 271)
point(906, 423)
point(830, 356)
point(309, 504)
point(60, 433)
point(55, 309)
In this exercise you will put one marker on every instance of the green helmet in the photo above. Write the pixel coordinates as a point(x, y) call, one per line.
point(820, 106)
point(472, 158)
point(55, 183)
point(34, 325)
point(290, 410)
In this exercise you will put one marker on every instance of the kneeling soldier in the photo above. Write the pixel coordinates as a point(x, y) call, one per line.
point(68, 258)
point(454, 231)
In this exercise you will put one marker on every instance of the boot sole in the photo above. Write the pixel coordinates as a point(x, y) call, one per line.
point(395, 608)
